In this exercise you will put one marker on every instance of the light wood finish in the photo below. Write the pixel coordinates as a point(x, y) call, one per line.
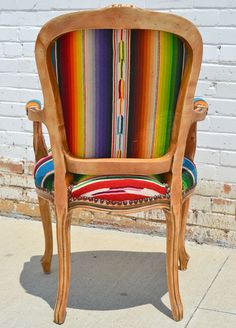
point(40, 151)
point(184, 130)
point(183, 255)
point(119, 166)
point(173, 220)
point(64, 262)
point(47, 228)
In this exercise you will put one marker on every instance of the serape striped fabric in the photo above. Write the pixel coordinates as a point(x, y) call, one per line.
point(83, 61)
point(119, 90)
point(114, 188)
point(156, 69)
point(121, 84)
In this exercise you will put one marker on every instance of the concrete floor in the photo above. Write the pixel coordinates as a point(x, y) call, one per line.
point(118, 281)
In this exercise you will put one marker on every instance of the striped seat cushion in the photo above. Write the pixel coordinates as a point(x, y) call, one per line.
point(118, 90)
point(114, 188)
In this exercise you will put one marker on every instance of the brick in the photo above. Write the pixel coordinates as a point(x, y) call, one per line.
point(10, 124)
point(212, 220)
point(201, 235)
point(28, 33)
point(201, 17)
point(12, 193)
point(216, 189)
point(20, 95)
point(28, 209)
point(8, 34)
point(15, 4)
point(15, 138)
point(206, 171)
point(227, 175)
point(223, 124)
point(1, 50)
point(227, 17)
point(26, 125)
point(6, 206)
point(16, 152)
point(210, 54)
point(8, 65)
point(138, 3)
point(216, 141)
point(218, 35)
point(227, 54)
point(28, 18)
point(29, 168)
point(225, 107)
point(63, 4)
point(28, 49)
point(225, 206)
point(205, 125)
point(168, 4)
point(24, 181)
point(26, 65)
point(20, 80)
point(218, 72)
point(12, 50)
point(22, 65)
point(30, 195)
point(214, 4)
point(207, 156)
point(228, 158)
point(201, 203)
point(10, 166)
point(226, 90)
point(206, 88)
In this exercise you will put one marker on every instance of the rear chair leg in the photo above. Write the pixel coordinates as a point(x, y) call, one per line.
point(183, 255)
point(172, 254)
point(47, 227)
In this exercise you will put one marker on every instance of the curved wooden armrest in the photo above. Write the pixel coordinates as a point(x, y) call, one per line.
point(200, 109)
point(34, 110)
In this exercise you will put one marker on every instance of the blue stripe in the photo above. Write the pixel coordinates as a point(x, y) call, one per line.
point(189, 166)
point(42, 171)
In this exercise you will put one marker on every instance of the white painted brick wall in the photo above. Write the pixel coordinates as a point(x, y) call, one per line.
point(20, 22)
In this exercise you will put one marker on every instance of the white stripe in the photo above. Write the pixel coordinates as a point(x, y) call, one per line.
point(142, 192)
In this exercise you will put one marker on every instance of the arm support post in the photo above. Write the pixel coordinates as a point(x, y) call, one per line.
point(35, 114)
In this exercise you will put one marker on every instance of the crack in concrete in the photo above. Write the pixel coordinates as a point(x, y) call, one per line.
point(214, 310)
point(203, 297)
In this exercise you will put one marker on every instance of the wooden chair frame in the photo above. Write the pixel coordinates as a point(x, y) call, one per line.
point(183, 142)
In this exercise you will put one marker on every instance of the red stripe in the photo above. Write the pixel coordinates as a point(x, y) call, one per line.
point(120, 197)
point(124, 183)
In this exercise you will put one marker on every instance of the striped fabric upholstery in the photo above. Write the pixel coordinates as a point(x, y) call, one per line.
point(114, 188)
point(119, 90)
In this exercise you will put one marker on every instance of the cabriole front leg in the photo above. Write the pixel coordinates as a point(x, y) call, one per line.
point(64, 263)
point(172, 255)
point(183, 255)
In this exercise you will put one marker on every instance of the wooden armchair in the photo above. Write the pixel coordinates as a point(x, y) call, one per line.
point(118, 86)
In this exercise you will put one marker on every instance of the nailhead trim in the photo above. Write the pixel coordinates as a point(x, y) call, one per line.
point(113, 202)
point(119, 203)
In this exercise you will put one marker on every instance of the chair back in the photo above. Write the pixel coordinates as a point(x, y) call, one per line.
point(118, 86)
point(119, 89)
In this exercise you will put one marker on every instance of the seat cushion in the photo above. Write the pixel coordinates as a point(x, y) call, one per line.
point(114, 188)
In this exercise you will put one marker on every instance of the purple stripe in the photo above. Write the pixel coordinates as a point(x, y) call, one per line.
point(103, 76)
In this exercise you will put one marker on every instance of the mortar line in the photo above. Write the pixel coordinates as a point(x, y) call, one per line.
point(203, 297)
point(215, 310)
